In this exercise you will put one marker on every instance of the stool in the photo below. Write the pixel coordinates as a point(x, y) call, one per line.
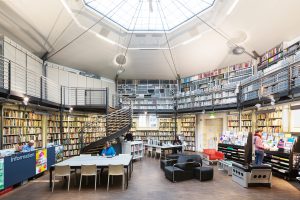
point(204, 173)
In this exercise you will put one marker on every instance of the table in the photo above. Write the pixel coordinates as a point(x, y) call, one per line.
point(101, 163)
point(225, 165)
point(165, 147)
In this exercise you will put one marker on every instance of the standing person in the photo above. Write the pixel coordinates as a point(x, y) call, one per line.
point(29, 146)
point(108, 150)
point(259, 147)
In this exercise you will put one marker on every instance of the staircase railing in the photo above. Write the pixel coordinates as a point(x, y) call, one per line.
point(117, 124)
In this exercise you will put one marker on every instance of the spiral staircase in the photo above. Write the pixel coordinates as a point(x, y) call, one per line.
point(118, 123)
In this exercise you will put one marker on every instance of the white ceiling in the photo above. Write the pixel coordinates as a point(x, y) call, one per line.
point(40, 26)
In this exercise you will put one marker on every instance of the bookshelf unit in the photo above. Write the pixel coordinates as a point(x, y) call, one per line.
point(216, 88)
point(233, 152)
point(188, 129)
point(269, 121)
point(166, 130)
point(233, 122)
point(72, 126)
point(19, 126)
point(136, 149)
point(246, 122)
point(53, 129)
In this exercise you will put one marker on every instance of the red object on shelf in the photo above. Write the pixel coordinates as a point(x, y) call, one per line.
point(213, 154)
point(6, 190)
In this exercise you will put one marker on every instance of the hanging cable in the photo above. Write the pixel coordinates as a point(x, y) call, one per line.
point(131, 34)
point(85, 31)
point(167, 40)
point(214, 29)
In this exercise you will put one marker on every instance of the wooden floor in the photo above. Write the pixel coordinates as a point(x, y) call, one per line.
point(148, 182)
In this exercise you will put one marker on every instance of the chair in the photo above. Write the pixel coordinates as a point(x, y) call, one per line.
point(88, 170)
point(158, 151)
point(116, 170)
point(62, 171)
point(150, 151)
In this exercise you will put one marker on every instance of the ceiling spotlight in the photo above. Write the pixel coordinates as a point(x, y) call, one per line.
point(145, 112)
point(203, 112)
point(273, 103)
point(71, 109)
point(238, 50)
point(25, 100)
point(258, 105)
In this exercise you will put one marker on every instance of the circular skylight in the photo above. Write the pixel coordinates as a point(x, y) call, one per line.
point(149, 15)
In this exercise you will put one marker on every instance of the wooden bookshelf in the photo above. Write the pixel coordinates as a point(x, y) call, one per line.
point(246, 122)
point(53, 129)
point(166, 130)
point(233, 122)
point(270, 122)
point(20, 126)
point(188, 129)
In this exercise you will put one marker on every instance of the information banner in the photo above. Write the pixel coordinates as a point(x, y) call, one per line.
point(1, 174)
point(41, 161)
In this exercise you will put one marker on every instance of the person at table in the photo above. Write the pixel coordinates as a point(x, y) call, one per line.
point(128, 136)
point(177, 142)
point(29, 146)
point(108, 150)
point(259, 147)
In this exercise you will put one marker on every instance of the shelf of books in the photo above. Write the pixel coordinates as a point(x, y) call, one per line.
point(236, 146)
point(53, 129)
point(269, 121)
point(246, 122)
point(166, 130)
point(21, 125)
point(188, 129)
point(143, 135)
point(72, 127)
point(233, 122)
point(283, 153)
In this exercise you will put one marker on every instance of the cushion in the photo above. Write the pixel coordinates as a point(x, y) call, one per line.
point(179, 174)
point(207, 173)
point(183, 162)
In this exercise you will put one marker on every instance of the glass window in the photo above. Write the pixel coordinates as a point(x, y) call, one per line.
point(149, 15)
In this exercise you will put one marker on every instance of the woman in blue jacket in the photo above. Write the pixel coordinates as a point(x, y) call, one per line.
point(108, 150)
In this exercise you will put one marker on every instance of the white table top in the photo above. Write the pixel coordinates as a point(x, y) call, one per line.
point(163, 147)
point(77, 161)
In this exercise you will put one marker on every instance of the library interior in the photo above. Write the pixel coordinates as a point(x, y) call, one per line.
point(149, 99)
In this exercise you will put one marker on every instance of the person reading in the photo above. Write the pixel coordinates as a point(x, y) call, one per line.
point(108, 150)
point(29, 146)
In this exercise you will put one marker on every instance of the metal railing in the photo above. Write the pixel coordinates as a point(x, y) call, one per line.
point(21, 81)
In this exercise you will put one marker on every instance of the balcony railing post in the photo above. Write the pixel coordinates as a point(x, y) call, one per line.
point(41, 90)
point(9, 77)
point(107, 99)
point(76, 96)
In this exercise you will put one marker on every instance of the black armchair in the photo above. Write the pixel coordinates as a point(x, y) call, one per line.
point(169, 160)
point(183, 169)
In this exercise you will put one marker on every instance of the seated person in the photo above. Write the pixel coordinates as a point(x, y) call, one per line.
point(108, 150)
point(128, 137)
point(29, 146)
point(176, 142)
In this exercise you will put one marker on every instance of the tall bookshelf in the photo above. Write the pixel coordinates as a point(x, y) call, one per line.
point(188, 129)
point(20, 126)
point(166, 130)
point(246, 122)
point(270, 121)
point(233, 122)
point(72, 126)
point(53, 129)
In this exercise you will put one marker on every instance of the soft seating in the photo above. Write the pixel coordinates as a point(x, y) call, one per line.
point(188, 167)
point(204, 173)
point(212, 155)
point(169, 160)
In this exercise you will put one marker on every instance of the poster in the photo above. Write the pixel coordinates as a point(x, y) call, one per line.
point(41, 161)
point(1, 174)
point(59, 153)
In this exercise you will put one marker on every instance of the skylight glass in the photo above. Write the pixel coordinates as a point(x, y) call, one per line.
point(149, 15)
